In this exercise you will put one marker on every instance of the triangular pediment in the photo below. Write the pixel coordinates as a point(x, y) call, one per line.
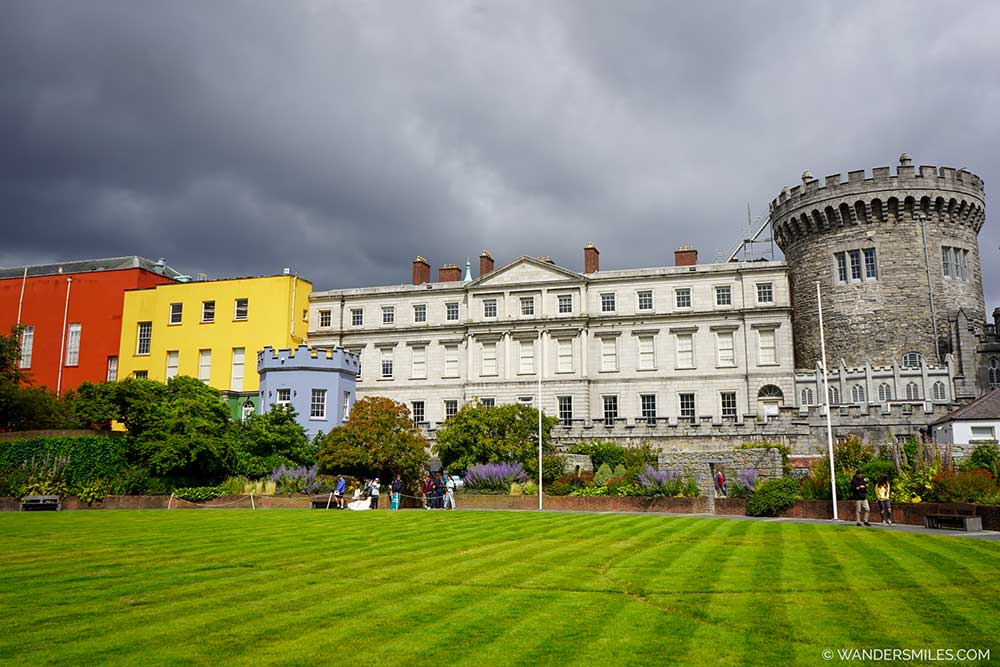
point(526, 270)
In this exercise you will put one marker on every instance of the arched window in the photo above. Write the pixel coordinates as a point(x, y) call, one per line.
point(858, 394)
point(912, 360)
point(807, 396)
point(884, 393)
point(994, 372)
point(770, 391)
point(834, 396)
point(912, 391)
point(938, 391)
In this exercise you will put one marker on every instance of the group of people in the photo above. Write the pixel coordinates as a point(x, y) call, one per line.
point(859, 492)
point(367, 493)
point(437, 492)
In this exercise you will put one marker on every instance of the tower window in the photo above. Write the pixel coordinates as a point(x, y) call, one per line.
point(913, 360)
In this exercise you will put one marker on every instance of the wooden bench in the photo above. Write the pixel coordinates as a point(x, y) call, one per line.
point(953, 522)
point(323, 502)
point(40, 504)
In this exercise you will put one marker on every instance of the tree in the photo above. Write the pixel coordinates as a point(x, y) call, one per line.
point(379, 438)
point(270, 440)
point(24, 408)
point(505, 433)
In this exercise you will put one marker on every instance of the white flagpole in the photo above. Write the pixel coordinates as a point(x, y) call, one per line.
point(540, 357)
point(826, 391)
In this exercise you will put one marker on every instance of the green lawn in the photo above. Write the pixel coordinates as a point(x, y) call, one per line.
point(444, 588)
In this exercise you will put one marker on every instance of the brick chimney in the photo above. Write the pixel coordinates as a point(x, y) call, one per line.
point(421, 271)
point(591, 259)
point(449, 273)
point(485, 263)
point(686, 255)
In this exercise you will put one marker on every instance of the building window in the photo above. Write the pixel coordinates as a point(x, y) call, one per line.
point(565, 355)
point(345, 409)
point(729, 403)
point(566, 410)
point(724, 295)
point(176, 313)
point(685, 404)
point(834, 395)
point(27, 345)
point(938, 391)
point(236, 376)
point(994, 372)
point(983, 433)
point(608, 302)
point(884, 393)
point(172, 363)
point(685, 350)
point(946, 261)
point(490, 308)
point(646, 300)
point(325, 318)
point(208, 311)
point(912, 391)
point(955, 263)
point(418, 363)
point(284, 397)
point(357, 317)
point(565, 304)
point(489, 359)
point(242, 309)
point(766, 347)
point(317, 405)
point(647, 353)
point(488, 402)
point(527, 306)
point(647, 406)
point(388, 314)
point(450, 408)
point(204, 365)
point(765, 293)
point(451, 312)
point(857, 394)
point(913, 360)
point(420, 312)
point(726, 350)
point(140, 375)
point(450, 361)
point(610, 409)
point(418, 412)
point(609, 354)
point(682, 297)
point(112, 369)
point(871, 269)
point(966, 268)
point(855, 257)
point(144, 337)
point(73, 345)
point(386, 364)
point(807, 396)
point(526, 356)
point(841, 267)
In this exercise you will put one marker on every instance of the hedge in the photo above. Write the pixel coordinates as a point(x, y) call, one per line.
point(90, 457)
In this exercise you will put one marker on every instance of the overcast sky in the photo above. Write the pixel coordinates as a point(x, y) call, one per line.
point(341, 139)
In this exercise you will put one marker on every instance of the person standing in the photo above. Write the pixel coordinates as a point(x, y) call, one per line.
point(449, 497)
point(338, 492)
point(720, 484)
point(397, 488)
point(374, 493)
point(427, 491)
point(882, 493)
point(859, 491)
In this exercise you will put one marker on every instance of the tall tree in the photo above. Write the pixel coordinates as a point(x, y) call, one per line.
point(500, 434)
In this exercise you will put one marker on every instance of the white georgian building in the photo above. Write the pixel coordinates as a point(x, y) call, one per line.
point(689, 343)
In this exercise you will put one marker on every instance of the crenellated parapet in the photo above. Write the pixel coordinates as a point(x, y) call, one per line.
point(306, 358)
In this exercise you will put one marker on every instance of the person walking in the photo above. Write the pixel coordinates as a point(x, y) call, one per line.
point(374, 493)
point(338, 492)
point(882, 493)
point(859, 491)
point(720, 484)
point(449, 496)
point(397, 488)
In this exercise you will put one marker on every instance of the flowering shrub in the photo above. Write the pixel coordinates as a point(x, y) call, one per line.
point(747, 477)
point(494, 476)
point(668, 483)
point(289, 481)
point(968, 486)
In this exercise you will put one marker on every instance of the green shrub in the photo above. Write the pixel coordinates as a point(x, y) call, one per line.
point(88, 458)
point(516, 489)
point(553, 467)
point(637, 457)
point(235, 485)
point(603, 474)
point(196, 493)
point(737, 490)
point(588, 491)
point(985, 455)
point(96, 490)
point(600, 452)
point(912, 486)
point(620, 470)
point(530, 489)
point(558, 488)
point(772, 496)
point(967, 486)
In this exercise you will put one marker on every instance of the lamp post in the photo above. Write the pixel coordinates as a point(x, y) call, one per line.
point(540, 358)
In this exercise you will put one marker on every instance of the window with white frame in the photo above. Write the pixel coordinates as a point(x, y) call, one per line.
point(283, 396)
point(766, 347)
point(418, 362)
point(451, 312)
point(938, 391)
point(609, 354)
point(723, 295)
point(357, 317)
point(325, 318)
point(236, 373)
point(834, 395)
point(884, 392)
point(608, 302)
point(647, 407)
point(565, 355)
point(176, 313)
point(73, 344)
point(955, 263)
point(417, 408)
point(855, 258)
point(645, 300)
point(684, 343)
point(489, 358)
point(983, 433)
point(912, 391)
point(345, 408)
point(112, 375)
point(241, 309)
point(27, 345)
point(994, 372)
point(527, 306)
point(173, 360)
point(140, 375)
point(208, 312)
point(765, 293)
point(841, 267)
point(647, 353)
point(857, 393)
point(685, 405)
point(420, 313)
point(566, 410)
point(386, 358)
point(144, 338)
point(317, 404)
point(871, 267)
point(682, 297)
point(450, 408)
point(806, 396)
point(488, 402)
point(388, 314)
point(725, 349)
point(565, 303)
point(205, 365)
point(728, 401)
point(526, 356)
point(450, 361)
point(490, 308)
point(610, 409)
point(913, 360)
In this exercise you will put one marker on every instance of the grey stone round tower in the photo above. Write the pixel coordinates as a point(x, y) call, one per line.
point(896, 256)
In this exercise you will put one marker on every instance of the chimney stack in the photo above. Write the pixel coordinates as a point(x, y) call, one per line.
point(449, 273)
point(591, 259)
point(485, 263)
point(421, 271)
point(686, 255)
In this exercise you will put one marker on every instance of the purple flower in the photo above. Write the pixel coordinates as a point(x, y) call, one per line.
point(494, 476)
point(748, 477)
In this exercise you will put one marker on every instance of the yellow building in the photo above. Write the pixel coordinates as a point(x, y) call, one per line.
point(212, 330)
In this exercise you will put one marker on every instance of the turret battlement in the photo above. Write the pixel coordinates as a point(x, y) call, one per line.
point(304, 357)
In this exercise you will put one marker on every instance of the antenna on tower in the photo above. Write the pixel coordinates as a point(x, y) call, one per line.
point(755, 245)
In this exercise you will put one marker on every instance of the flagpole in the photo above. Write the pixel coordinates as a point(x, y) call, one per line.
point(541, 356)
point(826, 392)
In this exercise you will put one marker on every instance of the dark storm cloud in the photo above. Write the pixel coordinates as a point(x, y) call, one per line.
point(342, 139)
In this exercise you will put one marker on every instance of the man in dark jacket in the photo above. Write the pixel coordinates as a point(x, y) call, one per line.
point(859, 491)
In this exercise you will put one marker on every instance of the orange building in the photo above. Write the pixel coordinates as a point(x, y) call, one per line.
point(72, 315)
